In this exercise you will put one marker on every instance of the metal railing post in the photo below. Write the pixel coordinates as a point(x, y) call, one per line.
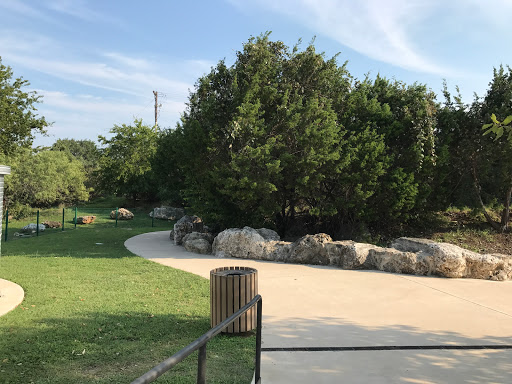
point(257, 368)
point(6, 223)
point(117, 210)
point(76, 209)
point(63, 219)
point(200, 344)
point(201, 365)
point(153, 219)
point(37, 223)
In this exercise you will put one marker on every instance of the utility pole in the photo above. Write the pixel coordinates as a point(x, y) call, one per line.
point(156, 108)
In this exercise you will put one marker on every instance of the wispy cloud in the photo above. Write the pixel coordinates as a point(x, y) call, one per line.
point(85, 116)
point(112, 71)
point(137, 63)
point(79, 9)
point(379, 29)
point(20, 8)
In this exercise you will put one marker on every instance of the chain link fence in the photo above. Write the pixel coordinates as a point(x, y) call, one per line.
point(41, 222)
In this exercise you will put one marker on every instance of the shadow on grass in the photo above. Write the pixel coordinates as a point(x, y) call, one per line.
point(117, 348)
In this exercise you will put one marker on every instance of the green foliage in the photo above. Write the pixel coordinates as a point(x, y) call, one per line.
point(399, 122)
point(285, 132)
point(125, 163)
point(86, 152)
point(499, 127)
point(18, 118)
point(43, 179)
point(473, 161)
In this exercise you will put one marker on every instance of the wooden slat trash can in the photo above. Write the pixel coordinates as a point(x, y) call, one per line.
point(230, 289)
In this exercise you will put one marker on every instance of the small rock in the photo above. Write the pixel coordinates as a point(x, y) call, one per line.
point(52, 224)
point(201, 246)
point(85, 219)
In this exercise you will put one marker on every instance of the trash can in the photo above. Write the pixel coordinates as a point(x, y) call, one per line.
point(230, 289)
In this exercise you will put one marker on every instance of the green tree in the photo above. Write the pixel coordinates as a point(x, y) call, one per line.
point(476, 162)
point(84, 151)
point(125, 163)
point(398, 121)
point(44, 178)
point(18, 118)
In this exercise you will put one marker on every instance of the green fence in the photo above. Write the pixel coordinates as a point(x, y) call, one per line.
point(72, 218)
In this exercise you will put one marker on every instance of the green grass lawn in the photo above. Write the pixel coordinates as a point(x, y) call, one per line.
point(95, 313)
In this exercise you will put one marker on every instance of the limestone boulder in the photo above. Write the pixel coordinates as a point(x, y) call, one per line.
point(412, 244)
point(348, 254)
point(122, 214)
point(32, 228)
point(245, 243)
point(196, 236)
point(186, 225)
point(396, 261)
point(198, 245)
point(446, 259)
point(310, 249)
point(167, 213)
point(268, 234)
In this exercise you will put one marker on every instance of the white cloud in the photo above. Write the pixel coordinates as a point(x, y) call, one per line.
point(80, 10)
point(379, 29)
point(137, 63)
point(85, 116)
point(22, 9)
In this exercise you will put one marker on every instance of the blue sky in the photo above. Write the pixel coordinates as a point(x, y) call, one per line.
point(97, 62)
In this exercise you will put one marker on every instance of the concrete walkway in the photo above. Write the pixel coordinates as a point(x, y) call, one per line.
point(324, 307)
point(11, 295)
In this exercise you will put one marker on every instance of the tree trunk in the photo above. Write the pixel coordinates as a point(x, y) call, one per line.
point(505, 216)
point(477, 187)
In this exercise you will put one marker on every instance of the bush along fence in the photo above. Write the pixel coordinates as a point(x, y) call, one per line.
point(44, 221)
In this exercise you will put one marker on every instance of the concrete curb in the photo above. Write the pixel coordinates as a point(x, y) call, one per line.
point(11, 295)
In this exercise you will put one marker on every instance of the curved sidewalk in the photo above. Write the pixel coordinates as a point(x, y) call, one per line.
point(330, 310)
point(11, 295)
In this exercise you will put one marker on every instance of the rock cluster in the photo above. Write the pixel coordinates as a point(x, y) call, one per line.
point(122, 214)
point(406, 255)
point(185, 225)
point(167, 213)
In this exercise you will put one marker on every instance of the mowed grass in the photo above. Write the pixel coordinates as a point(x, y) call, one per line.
point(95, 313)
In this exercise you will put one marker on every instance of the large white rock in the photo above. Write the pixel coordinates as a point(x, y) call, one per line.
point(310, 249)
point(348, 254)
point(32, 228)
point(407, 255)
point(245, 243)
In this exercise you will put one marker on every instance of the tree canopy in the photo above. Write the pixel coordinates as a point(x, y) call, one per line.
point(126, 160)
point(286, 132)
point(18, 113)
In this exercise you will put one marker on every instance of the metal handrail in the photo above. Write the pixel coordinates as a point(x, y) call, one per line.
point(200, 344)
